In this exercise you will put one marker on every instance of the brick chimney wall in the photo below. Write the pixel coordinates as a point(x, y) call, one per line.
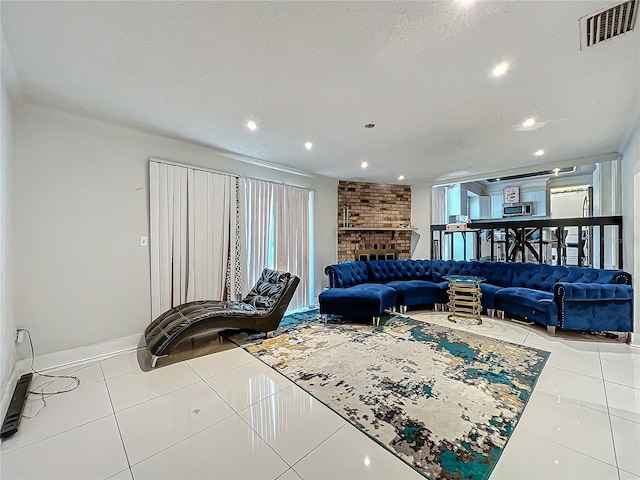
point(373, 205)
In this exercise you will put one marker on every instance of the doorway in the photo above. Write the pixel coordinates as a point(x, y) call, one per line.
point(573, 202)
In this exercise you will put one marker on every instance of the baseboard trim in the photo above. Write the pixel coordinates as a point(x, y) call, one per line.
point(634, 339)
point(7, 391)
point(74, 356)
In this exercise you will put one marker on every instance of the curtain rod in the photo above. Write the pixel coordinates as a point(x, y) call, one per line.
point(193, 167)
point(220, 172)
point(280, 183)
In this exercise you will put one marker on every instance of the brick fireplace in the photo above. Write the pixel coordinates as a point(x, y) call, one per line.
point(373, 206)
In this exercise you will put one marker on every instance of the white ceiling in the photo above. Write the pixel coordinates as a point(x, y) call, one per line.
point(320, 71)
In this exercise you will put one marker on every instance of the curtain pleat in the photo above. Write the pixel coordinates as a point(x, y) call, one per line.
point(277, 233)
point(204, 224)
point(439, 212)
point(192, 214)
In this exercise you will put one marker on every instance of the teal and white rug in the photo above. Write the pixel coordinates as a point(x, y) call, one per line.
point(445, 401)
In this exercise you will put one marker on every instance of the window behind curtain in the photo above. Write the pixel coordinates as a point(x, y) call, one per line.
point(278, 231)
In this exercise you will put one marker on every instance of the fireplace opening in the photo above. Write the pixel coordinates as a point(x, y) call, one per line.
point(376, 254)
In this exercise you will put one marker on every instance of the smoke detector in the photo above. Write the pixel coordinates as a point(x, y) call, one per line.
point(607, 23)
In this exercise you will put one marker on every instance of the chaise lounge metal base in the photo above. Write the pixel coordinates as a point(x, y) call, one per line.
point(261, 310)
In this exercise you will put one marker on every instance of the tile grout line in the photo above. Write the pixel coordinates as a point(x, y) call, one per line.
point(231, 369)
point(258, 401)
point(571, 371)
point(213, 389)
point(531, 432)
point(12, 450)
point(606, 399)
point(574, 402)
point(99, 362)
point(220, 373)
point(624, 418)
point(283, 473)
point(185, 438)
point(124, 448)
point(157, 396)
point(622, 384)
point(234, 413)
point(316, 447)
point(15, 449)
point(266, 443)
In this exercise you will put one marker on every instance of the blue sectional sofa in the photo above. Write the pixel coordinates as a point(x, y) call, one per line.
point(567, 297)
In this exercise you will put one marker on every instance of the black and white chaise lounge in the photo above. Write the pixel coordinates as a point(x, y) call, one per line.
point(261, 310)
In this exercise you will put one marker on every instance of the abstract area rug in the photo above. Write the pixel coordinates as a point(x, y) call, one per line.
point(443, 400)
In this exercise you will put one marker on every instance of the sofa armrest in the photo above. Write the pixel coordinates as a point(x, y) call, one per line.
point(348, 274)
point(594, 306)
point(591, 292)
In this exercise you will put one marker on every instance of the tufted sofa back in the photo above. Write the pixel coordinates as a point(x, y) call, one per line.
point(503, 274)
point(537, 276)
point(595, 275)
point(344, 275)
point(383, 271)
point(440, 268)
point(496, 273)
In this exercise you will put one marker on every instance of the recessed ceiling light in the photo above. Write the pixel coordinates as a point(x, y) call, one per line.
point(364, 164)
point(500, 69)
point(539, 153)
point(308, 145)
point(529, 125)
point(251, 125)
point(401, 177)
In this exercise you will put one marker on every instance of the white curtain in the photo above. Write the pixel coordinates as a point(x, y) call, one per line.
point(439, 207)
point(195, 236)
point(277, 225)
point(440, 216)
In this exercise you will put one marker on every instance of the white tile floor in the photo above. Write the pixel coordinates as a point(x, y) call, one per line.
point(227, 416)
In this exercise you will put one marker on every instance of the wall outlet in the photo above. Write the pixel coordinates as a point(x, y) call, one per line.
point(19, 335)
point(144, 241)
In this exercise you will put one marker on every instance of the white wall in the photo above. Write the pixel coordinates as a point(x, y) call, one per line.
point(80, 206)
point(421, 218)
point(7, 324)
point(631, 218)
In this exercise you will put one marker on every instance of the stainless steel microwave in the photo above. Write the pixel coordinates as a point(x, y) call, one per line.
point(517, 209)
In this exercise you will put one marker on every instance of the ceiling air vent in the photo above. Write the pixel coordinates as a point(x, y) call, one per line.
point(606, 24)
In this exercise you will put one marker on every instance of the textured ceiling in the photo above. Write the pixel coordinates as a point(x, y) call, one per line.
point(320, 71)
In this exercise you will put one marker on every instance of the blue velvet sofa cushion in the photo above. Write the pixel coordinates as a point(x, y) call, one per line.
point(488, 295)
point(533, 304)
point(419, 292)
point(364, 300)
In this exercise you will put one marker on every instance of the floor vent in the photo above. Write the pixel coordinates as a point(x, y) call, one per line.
point(606, 24)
